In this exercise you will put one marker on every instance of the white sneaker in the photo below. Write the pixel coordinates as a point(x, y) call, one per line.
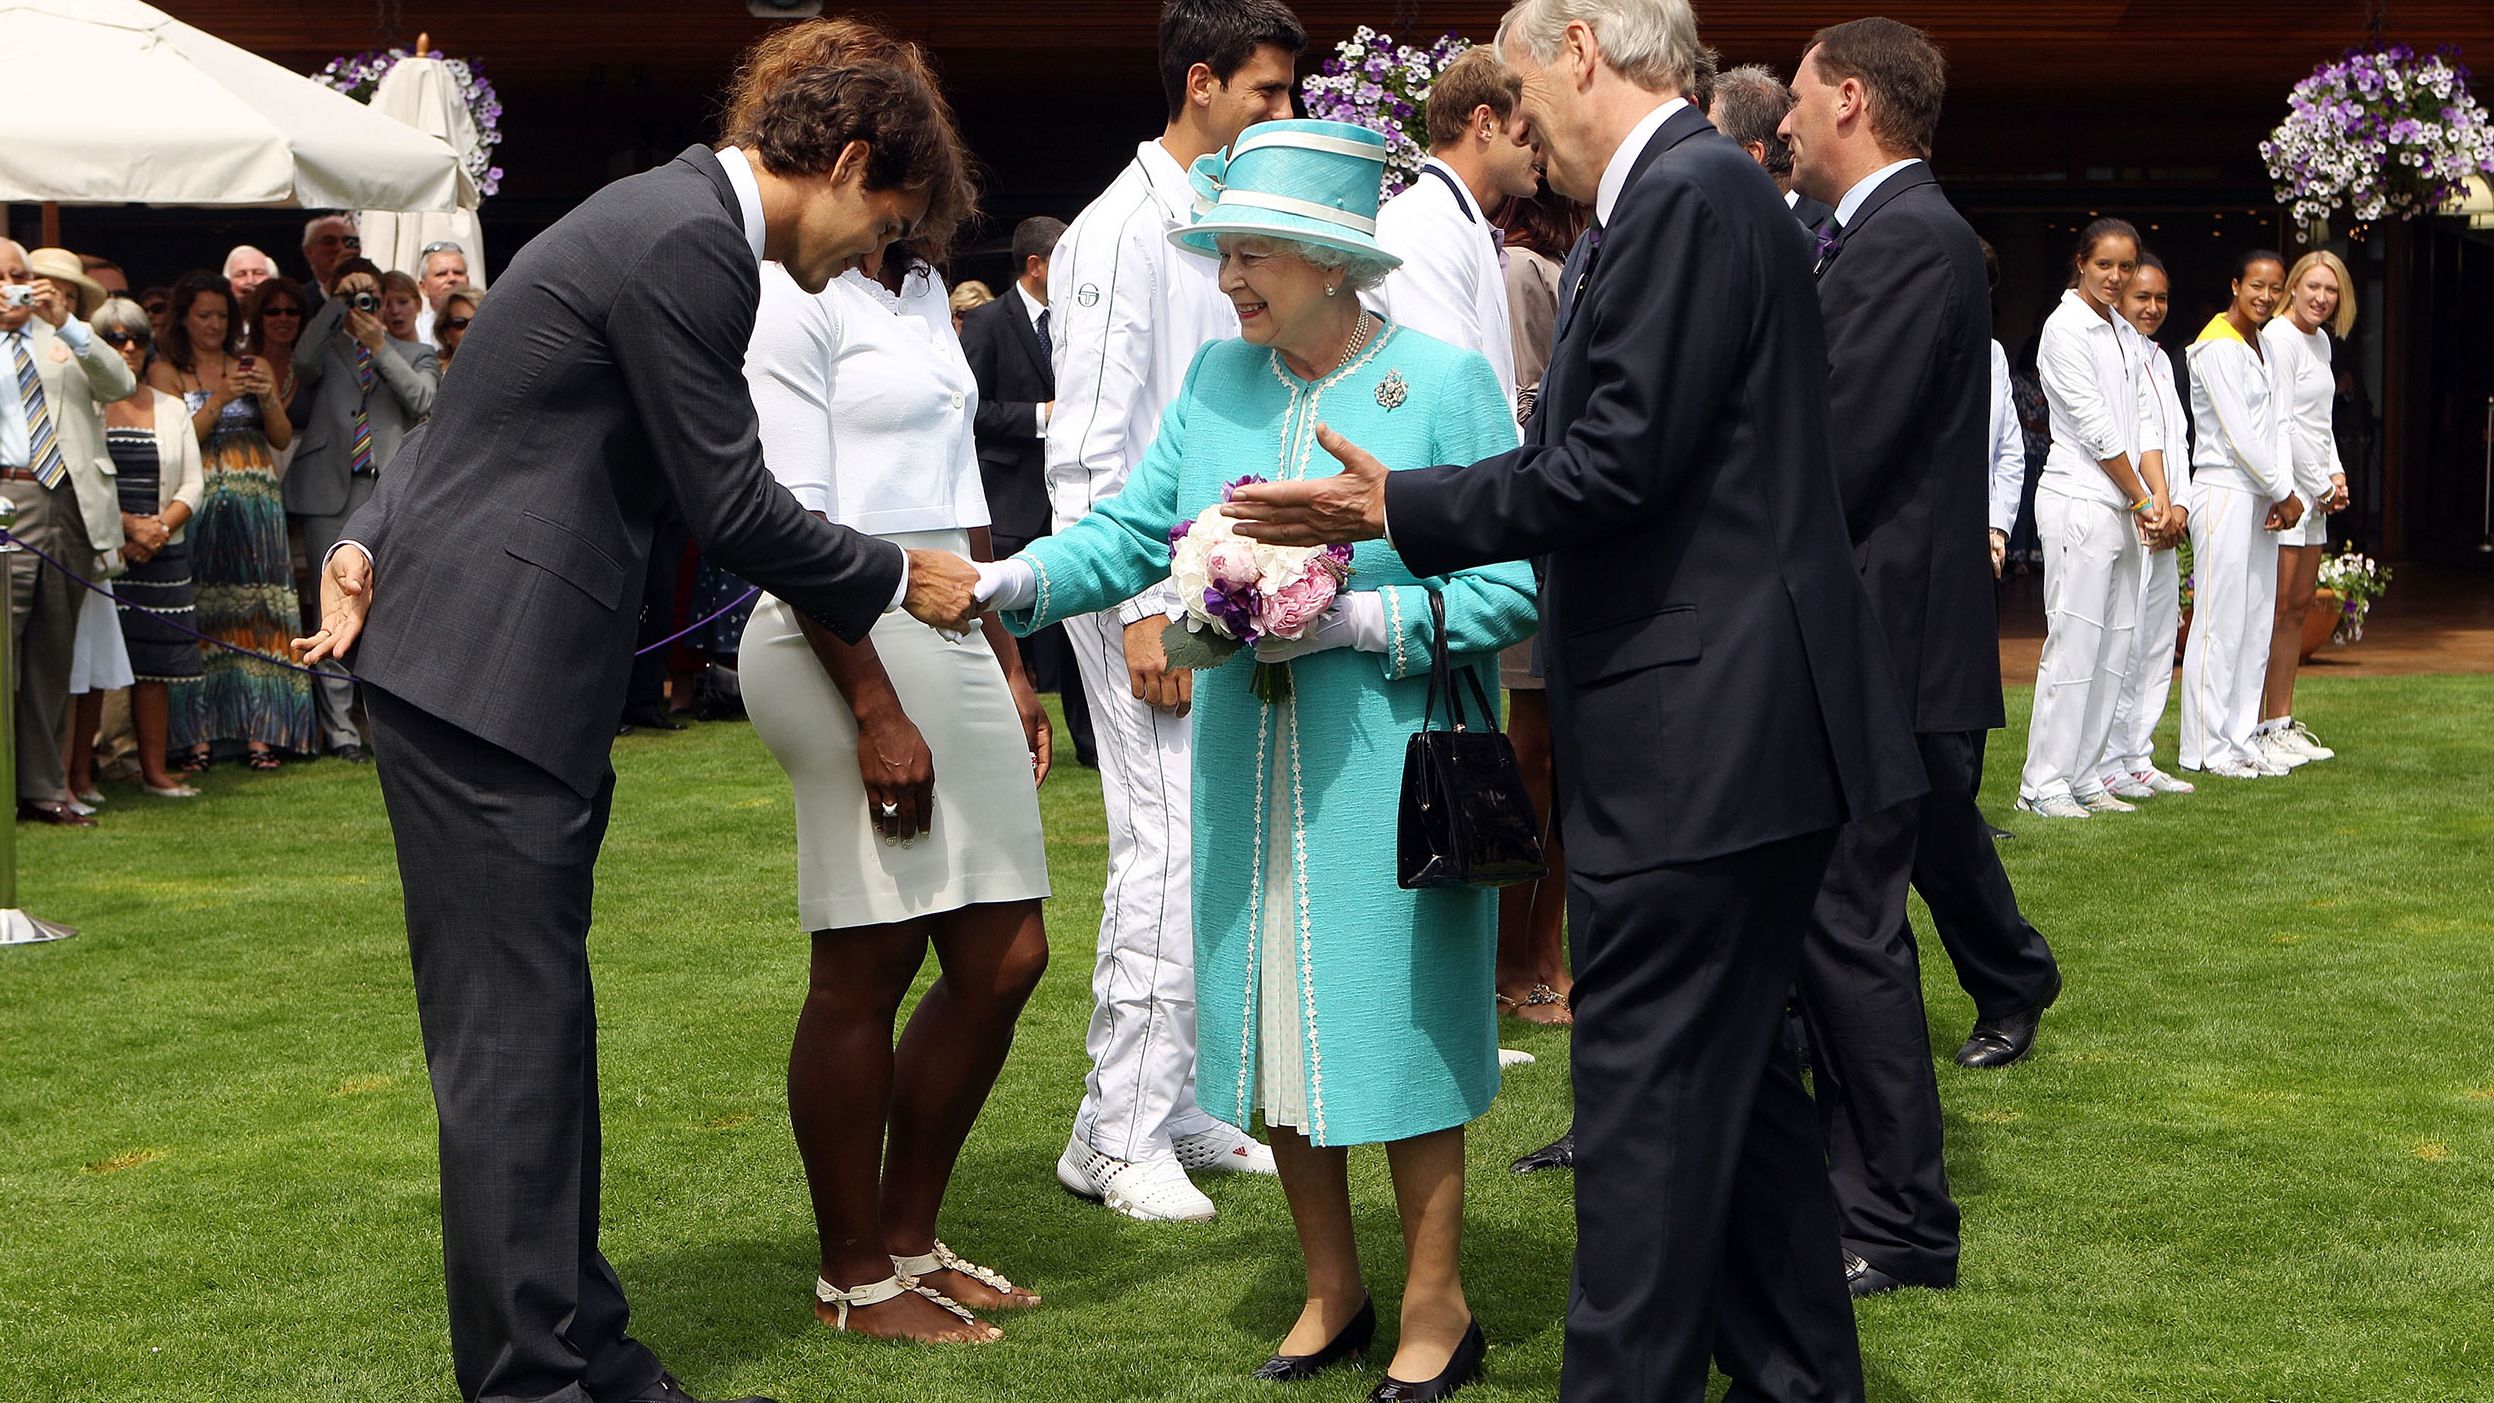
point(2239, 769)
point(2277, 750)
point(1514, 1057)
point(2104, 803)
point(1153, 1190)
point(2158, 782)
point(2057, 806)
point(2300, 736)
point(2128, 786)
point(1224, 1149)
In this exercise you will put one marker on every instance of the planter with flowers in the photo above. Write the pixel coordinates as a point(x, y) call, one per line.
point(1374, 82)
point(2382, 133)
point(2349, 584)
point(358, 75)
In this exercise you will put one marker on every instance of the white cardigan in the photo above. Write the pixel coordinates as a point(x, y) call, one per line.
point(866, 403)
point(2095, 380)
point(180, 477)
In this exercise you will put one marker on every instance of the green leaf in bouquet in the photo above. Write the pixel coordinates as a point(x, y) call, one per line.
point(1195, 650)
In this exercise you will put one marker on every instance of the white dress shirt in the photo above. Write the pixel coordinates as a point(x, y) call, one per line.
point(1130, 311)
point(1866, 187)
point(1450, 286)
point(1615, 173)
point(2094, 371)
point(2301, 362)
point(2008, 446)
point(1034, 309)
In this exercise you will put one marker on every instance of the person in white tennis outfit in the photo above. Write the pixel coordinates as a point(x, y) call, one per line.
point(1129, 312)
point(2242, 495)
point(2101, 499)
point(2129, 769)
point(2320, 300)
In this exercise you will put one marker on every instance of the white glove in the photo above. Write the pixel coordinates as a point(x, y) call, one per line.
point(1006, 584)
point(1356, 621)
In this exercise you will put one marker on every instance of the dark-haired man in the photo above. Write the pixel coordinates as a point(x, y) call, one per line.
point(1749, 107)
point(1007, 344)
point(1908, 318)
point(1129, 314)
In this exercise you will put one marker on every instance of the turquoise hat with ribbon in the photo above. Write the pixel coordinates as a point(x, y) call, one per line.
point(1310, 182)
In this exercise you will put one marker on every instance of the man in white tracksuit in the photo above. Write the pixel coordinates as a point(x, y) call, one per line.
point(1131, 311)
point(2129, 769)
point(1452, 285)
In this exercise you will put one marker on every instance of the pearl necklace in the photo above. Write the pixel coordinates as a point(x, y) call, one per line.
point(1359, 341)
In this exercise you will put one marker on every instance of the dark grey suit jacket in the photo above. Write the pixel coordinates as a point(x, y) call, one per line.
point(511, 535)
point(1717, 681)
point(1015, 377)
point(406, 376)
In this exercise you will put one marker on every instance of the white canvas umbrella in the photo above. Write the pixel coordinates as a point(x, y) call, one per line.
point(422, 93)
point(116, 102)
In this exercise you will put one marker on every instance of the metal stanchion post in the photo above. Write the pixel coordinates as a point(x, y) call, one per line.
point(16, 927)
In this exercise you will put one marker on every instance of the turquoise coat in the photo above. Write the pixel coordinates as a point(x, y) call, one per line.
point(1397, 1015)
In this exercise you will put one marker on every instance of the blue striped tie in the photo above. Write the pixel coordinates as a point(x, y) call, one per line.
point(42, 444)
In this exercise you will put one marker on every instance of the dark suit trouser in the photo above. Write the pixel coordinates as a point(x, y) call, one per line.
point(2002, 962)
point(497, 858)
point(1704, 1225)
point(43, 606)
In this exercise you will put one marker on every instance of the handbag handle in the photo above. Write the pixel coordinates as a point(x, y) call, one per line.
point(1441, 677)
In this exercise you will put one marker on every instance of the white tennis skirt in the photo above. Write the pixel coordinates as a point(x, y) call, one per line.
point(985, 845)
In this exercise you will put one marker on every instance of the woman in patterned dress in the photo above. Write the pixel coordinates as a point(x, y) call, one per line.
point(245, 572)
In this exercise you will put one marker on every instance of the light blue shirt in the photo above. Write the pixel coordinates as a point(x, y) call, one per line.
point(1866, 187)
point(15, 450)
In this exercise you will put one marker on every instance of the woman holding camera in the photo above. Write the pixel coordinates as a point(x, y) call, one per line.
point(244, 570)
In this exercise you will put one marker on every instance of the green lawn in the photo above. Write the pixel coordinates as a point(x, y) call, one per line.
point(2250, 1160)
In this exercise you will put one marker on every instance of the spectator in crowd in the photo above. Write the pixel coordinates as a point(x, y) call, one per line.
point(441, 266)
point(1749, 107)
point(458, 308)
point(108, 275)
point(328, 240)
point(53, 470)
point(240, 559)
point(277, 311)
point(368, 385)
point(158, 303)
point(967, 297)
point(245, 269)
point(156, 465)
point(402, 307)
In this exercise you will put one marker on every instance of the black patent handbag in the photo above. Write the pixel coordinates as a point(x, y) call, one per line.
point(1465, 819)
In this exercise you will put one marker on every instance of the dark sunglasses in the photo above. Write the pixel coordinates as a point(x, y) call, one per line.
point(281, 311)
point(124, 338)
point(456, 323)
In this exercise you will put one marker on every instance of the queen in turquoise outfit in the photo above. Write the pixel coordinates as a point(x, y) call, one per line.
point(1341, 1007)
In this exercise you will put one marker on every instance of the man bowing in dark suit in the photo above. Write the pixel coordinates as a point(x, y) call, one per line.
point(493, 583)
point(1908, 317)
point(1007, 344)
point(1721, 704)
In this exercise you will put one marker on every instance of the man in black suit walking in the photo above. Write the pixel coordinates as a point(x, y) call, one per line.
point(1721, 704)
point(1007, 343)
point(1908, 314)
point(493, 584)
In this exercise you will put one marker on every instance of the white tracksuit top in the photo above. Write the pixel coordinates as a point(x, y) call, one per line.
point(2094, 372)
point(2177, 442)
point(2300, 363)
point(2242, 443)
point(2008, 447)
point(1451, 285)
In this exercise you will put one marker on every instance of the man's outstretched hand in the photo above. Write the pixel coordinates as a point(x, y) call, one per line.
point(345, 597)
point(943, 591)
point(1350, 506)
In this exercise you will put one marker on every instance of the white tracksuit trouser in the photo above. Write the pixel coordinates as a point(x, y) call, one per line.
point(2149, 675)
point(1140, 1093)
point(2092, 564)
point(2234, 568)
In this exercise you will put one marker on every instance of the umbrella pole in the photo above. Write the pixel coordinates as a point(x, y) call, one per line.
point(16, 927)
point(51, 224)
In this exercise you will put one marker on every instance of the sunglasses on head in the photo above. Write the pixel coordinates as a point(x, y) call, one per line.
point(442, 246)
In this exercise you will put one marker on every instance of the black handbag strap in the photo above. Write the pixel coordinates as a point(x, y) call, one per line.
point(1442, 678)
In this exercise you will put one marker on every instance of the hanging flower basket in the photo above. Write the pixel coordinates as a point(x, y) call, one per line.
point(2385, 133)
point(1374, 82)
point(359, 74)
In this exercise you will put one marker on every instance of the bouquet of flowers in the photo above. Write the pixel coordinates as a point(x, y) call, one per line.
point(1237, 591)
point(358, 75)
point(2357, 579)
point(2386, 132)
point(1373, 82)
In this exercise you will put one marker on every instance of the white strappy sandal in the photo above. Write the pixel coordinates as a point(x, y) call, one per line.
point(875, 1293)
point(944, 1258)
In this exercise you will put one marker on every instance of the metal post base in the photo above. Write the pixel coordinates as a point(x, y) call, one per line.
point(18, 928)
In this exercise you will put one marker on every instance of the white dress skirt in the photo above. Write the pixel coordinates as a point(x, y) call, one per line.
point(985, 845)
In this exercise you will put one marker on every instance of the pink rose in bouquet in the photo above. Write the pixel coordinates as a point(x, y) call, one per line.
point(1236, 591)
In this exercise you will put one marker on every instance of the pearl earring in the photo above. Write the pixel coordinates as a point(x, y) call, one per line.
point(1334, 289)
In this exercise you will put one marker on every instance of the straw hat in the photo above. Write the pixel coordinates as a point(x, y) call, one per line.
point(61, 263)
point(1312, 182)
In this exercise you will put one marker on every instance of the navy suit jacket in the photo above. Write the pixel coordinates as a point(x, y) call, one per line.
point(1015, 377)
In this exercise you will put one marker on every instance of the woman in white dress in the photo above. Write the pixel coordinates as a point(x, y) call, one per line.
point(916, 759)
point(2102, 498)
point(2320, 302)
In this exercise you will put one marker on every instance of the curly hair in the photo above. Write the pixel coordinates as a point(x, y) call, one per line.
point(808, 90)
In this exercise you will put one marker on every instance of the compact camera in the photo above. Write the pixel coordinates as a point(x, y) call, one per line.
point(364, 302)
point(17, 294)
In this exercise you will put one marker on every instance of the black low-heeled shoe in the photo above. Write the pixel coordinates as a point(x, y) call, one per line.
point(1462, 1369)
point(1351, 1346)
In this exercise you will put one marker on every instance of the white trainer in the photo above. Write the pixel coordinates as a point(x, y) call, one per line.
point(2239, 769)
point(1224, 1149)
point(2277, 750)
point(2099, 801)
point(2128, 786)
point(2055, 806)
point(2300, 736)
point(1152, 1191)
point(2158, 782)
point(1514, 1057)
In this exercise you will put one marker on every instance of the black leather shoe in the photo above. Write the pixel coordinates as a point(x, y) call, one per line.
point(1558, 1154)
point(1863, 1279)
point(1999, 834)
point(58, 815)
point(1464, 1368)
point(651, 718)
point(667, 1390)
point(352, 754)
point(1349, 1347)
point(1997, 1042)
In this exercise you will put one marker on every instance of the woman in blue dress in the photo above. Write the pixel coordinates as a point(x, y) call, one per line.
point(1343, 1008)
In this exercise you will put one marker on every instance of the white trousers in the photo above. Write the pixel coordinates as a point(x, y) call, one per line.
point(2234, 568)
point(2149, 676)
point(2092, 565)
point(1140, 1093)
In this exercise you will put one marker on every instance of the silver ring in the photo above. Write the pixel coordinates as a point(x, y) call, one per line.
point(891, 811)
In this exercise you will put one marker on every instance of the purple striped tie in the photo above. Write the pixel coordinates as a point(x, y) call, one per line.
point(43, 446)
